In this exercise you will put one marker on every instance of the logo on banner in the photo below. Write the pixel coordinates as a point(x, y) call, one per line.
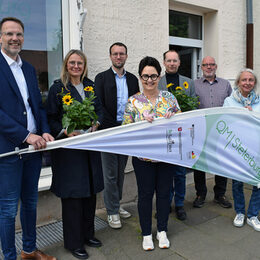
point(235, 143)
point(169, 139)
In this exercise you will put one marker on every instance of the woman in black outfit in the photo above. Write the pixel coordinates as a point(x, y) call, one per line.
point(77, 174)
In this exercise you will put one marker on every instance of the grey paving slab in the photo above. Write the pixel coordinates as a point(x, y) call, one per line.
point(207, 234)
point(190, 241)
point(222, 229)
point(223, 252)
point(175, 257)
point(197, 216)
point(250, 242)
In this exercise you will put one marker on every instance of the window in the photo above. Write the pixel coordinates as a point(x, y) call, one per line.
point(185, 25)
point(185, 36)
point(42, 39)
point(42, 36)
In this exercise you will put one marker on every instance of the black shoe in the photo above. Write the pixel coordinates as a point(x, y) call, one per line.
point(223, 202)
point(80, 253)
point(93, 242)
point(199, 202)
point(180, 213)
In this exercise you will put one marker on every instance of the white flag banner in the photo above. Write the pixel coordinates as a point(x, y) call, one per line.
point(221, 141)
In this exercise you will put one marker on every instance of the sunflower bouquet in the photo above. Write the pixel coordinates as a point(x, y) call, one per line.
point(185, 102)
point(78, 115)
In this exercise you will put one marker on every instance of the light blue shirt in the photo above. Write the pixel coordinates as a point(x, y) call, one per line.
point(122, 95)
point(231, 102)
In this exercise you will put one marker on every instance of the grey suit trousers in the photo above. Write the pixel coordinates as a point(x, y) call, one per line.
point(113, 170)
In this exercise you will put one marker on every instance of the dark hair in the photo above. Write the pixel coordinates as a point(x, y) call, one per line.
point(164, 55)
point(118, 44)
point(12, 19)
point(149, 61)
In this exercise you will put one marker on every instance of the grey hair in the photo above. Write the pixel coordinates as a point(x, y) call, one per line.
point(256, 88)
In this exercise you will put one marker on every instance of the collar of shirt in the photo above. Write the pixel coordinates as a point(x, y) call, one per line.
point(205, 80)
point(10, 61)
point(124, 72)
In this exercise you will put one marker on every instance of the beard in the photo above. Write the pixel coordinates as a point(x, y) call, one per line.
point(119, 65)
point(209, 75)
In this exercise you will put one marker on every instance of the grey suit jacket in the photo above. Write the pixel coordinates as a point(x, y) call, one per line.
point(190, 91)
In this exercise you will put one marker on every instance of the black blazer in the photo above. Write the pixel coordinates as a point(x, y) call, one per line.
point(76, 173)
point(105, 85)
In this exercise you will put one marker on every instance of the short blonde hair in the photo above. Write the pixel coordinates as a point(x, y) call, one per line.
point(64, 75)
point(256, 88)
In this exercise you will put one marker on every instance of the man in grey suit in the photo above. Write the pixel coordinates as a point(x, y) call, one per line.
point(170, 81)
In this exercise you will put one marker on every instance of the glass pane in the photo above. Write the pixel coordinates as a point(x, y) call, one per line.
point(185, 57)
point(185, 25)
point(42, 36)
point(42, 39)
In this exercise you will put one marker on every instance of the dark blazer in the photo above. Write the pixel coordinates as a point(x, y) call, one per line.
point(13, 119)
point(105, 84)
point(76, 173)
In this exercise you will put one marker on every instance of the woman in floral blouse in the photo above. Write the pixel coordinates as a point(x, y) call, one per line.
point(151, 175)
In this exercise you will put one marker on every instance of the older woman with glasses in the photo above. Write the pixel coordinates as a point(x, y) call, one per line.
point(152, 176)
point(245, 94)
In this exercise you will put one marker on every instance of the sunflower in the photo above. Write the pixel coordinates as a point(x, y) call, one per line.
point(89, 88)
point(178, 88)
point(67, 100)
point(185, 84)
point(169, 85)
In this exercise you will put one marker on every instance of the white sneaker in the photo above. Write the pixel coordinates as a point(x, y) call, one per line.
point(114, 221)
point(123, 213)
point(239, 220)
point(148, 243)
point(254, 222)
point(163, 240)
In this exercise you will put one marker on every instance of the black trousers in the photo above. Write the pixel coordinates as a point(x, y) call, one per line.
point(78, 215)
point(201, 188)
point(153, 178)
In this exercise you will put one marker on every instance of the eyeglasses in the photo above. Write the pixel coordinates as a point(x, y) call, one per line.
point(74, 63)
point(118, 53)
point(153, 77)
point(208, 64)
point(11, 34)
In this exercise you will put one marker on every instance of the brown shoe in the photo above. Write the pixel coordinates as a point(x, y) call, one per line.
point(37, 255)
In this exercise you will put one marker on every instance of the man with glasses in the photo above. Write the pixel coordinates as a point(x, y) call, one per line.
point(22, 122)
point(114, 86)
point(170, 81)
point(212, 92)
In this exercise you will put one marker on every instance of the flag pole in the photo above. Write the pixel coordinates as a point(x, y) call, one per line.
point(17, 151)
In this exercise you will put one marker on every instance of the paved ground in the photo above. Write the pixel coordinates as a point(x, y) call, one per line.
point(207, 233)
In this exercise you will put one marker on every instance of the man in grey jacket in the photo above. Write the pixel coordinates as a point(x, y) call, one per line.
point(172, 78)
point(170, 81)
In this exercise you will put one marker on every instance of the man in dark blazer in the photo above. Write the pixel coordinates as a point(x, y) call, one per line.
point(170, 81)
point(113, 87)
point(22, 122)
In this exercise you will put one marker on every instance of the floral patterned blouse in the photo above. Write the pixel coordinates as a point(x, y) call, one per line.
point(139, 107)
